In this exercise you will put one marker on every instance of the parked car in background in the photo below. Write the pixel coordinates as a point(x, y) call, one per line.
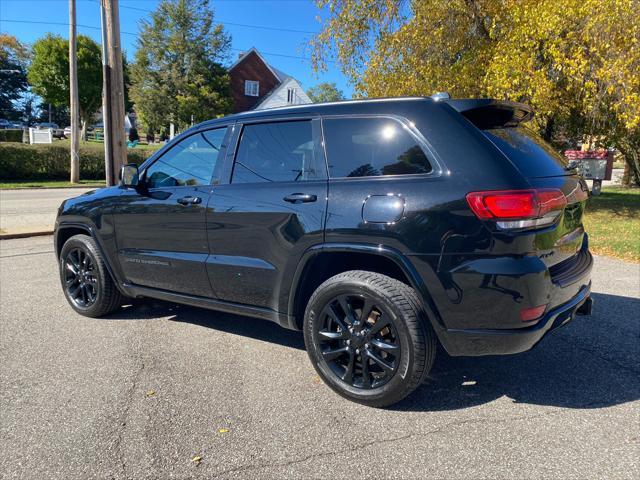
point(20, 125)
point(67, 132)
point(4, 124)
point(379, 228)
point(57, 132)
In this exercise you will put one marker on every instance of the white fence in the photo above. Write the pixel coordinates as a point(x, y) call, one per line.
point(40, 135)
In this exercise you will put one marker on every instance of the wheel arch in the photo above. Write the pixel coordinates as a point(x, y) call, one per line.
point(64, 231)
point(67, 230)
point(323, 261)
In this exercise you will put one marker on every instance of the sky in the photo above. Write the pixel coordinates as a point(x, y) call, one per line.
point(277, 46)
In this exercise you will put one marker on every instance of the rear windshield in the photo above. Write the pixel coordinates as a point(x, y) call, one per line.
point(528, 151)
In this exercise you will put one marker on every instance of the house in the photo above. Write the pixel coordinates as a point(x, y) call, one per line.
point(256, 85)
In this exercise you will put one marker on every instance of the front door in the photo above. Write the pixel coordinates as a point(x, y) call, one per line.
point(161, 226)
point(270, 212)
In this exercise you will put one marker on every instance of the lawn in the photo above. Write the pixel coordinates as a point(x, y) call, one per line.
point(50, 184)
point(613, 223)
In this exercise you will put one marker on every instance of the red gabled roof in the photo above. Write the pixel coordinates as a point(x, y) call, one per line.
point(246, 55)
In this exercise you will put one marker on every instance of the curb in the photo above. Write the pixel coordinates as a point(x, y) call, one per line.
point(11, 236)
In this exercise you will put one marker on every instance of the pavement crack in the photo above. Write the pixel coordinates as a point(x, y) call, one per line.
point(129, 397)
point(362, 446)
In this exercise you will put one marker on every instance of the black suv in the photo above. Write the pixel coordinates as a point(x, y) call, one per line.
point(380, 228)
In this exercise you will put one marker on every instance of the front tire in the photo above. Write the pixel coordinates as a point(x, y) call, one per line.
point(86, 283)
point(368, 337)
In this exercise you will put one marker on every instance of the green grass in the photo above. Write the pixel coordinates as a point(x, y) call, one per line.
point(100, 145)
point(612, 221)
point(50, 184)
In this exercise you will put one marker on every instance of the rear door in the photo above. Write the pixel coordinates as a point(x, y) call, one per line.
point(272, 209)
point(161, 227)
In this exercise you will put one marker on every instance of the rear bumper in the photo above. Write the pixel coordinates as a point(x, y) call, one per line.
point(509, 341)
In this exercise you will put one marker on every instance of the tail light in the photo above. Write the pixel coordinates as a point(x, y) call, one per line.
point(513, 209)
point(533, 313)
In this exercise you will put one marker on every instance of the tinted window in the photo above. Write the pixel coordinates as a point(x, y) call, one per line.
point(369, 147)
point(277, 152)
point(530, 153)
point(190, 162)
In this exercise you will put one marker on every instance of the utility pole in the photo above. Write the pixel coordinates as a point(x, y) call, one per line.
point(116, 85)
point(73, 90)
point(106, 99)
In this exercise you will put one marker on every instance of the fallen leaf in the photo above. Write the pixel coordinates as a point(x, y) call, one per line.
point(317, 380)
point(223, 430)
point(151, 393)
point(197, 459)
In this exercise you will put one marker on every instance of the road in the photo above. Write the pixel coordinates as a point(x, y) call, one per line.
point(32, 210)
point(141, 393)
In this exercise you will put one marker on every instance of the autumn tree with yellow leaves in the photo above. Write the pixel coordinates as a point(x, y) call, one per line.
point(577, 62)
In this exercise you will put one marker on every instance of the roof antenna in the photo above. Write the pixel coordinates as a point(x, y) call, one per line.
point(441, 96)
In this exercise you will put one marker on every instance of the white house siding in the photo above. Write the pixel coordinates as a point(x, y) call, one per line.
point(278, 98)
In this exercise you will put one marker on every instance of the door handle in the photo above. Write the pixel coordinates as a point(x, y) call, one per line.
point(300, 198)
point(189, 200)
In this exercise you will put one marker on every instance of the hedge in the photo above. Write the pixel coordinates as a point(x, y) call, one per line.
point(51, 162)
point(11, 135)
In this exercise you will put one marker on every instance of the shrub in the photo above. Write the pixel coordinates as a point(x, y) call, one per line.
point(51, 162)
point(11, 135)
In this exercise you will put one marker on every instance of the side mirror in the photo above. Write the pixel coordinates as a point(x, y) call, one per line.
point(129, 175)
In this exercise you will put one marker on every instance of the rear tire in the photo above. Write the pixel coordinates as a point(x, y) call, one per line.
point(368, 337)
point(86, 282)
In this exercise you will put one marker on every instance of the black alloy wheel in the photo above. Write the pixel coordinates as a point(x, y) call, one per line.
point(80, 279)
point(85, 278)
point(368, 337)
point(358, 341)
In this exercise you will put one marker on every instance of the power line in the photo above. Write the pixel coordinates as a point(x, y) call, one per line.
point(63, 24)
point(264, 27)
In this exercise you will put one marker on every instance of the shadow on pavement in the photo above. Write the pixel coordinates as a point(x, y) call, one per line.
point(262, 330)
point(590, 363)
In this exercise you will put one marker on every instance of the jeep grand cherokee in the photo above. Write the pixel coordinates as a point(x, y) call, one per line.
point(380, 228)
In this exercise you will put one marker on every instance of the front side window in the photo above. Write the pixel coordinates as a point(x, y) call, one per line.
point(251, 88)
point(371, 147)
point(277, 152)
point(192, 161)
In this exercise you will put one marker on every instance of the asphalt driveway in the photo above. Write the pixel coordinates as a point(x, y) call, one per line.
point(143, 392)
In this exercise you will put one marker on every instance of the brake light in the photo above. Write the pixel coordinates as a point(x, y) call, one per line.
point(518, 208)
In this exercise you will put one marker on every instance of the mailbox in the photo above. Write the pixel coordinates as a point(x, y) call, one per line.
point(595, 165)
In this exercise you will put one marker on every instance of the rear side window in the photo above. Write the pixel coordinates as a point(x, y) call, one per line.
point(278, 152)
point(529, 152)
point(371, 147)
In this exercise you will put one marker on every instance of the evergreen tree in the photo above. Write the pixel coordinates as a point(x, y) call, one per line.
point(178, 70)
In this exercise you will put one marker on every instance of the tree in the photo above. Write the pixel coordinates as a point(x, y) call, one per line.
point(178, 72)
point(49, 74)
point(13, 77)
point(325, 92)
point(575, 61)
point(126, 75)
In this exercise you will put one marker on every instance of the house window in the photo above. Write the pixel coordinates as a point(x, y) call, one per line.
point(291, 95)
point(252, 88)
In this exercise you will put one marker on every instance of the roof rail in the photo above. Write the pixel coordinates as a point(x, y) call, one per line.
point(441, 96)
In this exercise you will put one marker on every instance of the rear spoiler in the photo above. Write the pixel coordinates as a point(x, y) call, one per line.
point(487, 113)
